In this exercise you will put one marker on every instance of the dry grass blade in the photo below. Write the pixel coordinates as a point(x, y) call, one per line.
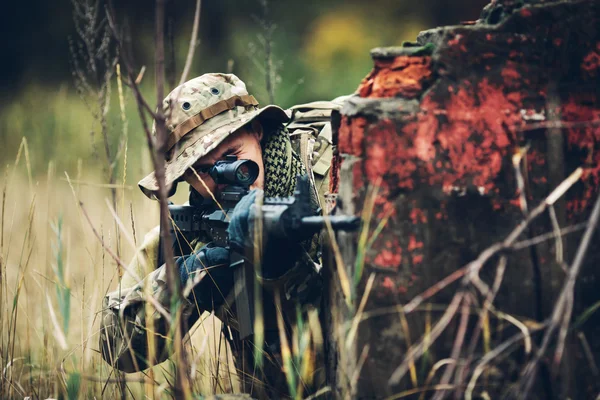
point(565, 185)
point(285, 349)
point(557, 235)
point(359, 365)
point(418, 350)
point(434, 369)
point(339, 262)
point(411, 392)
point(214, 199)
point(406, 334)
point(357, 318)
point(489, 356)
point(563, 308)
point(483, 324)
point(104, 246)
point(99, 185)
point(521, 326)
point(319, 393)
point(587, 350)
point(516, 161)
point(457, 347)
point(58, 332)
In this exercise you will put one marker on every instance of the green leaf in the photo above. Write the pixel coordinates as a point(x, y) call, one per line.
point(73, 385)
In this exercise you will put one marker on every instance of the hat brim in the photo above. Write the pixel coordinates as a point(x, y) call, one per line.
point(205, 143)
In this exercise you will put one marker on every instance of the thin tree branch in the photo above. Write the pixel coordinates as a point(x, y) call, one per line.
point(193, 44)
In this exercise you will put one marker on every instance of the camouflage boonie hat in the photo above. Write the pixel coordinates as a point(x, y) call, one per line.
point(200, 114)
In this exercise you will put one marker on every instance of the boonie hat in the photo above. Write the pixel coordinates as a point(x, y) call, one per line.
point(200, 114)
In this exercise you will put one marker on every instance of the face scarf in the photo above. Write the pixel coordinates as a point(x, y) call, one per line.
point(282, 164)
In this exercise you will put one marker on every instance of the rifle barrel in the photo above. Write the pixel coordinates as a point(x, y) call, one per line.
point(338, 222)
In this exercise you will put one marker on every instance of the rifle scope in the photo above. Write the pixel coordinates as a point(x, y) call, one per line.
point(232, 171)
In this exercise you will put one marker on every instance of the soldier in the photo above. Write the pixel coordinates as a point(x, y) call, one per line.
point(208, 118)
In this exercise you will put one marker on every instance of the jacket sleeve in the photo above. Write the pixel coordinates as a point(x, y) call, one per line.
point(130, 320)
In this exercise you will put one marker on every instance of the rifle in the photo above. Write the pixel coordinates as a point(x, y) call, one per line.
point(291, 218)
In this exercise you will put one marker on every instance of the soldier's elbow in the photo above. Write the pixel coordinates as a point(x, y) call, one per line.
point(124, 362)
point(116, 351)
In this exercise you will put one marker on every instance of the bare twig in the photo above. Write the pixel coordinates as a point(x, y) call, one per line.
point(470, 276)
point(589, 355)
point(416, 351)
point(547, 236)
point(193, 44)
point(483, 319)
point(491, 356)
point(133, 82)
point(457, 347)
point(563, 308)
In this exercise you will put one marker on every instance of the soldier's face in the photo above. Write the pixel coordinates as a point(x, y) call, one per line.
point(244, 144)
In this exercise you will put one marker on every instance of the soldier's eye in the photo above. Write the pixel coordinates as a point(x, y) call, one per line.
point(214, 91)
point(186, 106)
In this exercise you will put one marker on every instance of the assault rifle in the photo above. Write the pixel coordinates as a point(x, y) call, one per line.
point(291, 218)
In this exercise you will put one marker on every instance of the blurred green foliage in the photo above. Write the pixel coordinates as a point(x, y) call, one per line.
point(320, 50)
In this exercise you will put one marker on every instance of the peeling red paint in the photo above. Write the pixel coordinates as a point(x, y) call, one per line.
point(414, 244)
point(405, 76)
point(388, 283)
point(418, 216)
point(460, 141)
point(472, 137)
point(458, 43)
point(591, 62)
point(510, 74)
point(351, 135)
point(417, 259)
point(387, 258)
point(443, 166)
point(390, 256)
point(526, 12)
point(585, 138)
point(334, 174)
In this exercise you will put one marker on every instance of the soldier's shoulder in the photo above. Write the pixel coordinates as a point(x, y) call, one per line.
point(310, 130)
point(151, 238)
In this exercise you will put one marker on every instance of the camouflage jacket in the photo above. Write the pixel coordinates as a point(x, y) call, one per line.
point(128, 312)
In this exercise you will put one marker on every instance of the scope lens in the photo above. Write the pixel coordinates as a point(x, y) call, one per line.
point(243, 173)
point(234, 172)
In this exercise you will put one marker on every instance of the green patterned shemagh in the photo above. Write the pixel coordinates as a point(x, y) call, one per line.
point(282, 165)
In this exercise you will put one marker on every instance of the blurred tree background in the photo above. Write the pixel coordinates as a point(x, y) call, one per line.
point(320, 50)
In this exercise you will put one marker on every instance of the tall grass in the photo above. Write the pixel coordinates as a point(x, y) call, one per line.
point(54, 271)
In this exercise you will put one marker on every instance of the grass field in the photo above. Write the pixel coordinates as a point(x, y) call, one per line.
point(54, 270)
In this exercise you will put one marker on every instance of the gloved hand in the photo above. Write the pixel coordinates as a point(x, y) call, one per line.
point(209, 292)
point(241, 222)
point(278, 254)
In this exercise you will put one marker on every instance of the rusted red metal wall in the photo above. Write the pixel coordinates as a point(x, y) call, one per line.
point(430, 139)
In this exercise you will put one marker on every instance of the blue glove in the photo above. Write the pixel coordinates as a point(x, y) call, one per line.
point(209, 292)
point(278, 255)
point(241, 223)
